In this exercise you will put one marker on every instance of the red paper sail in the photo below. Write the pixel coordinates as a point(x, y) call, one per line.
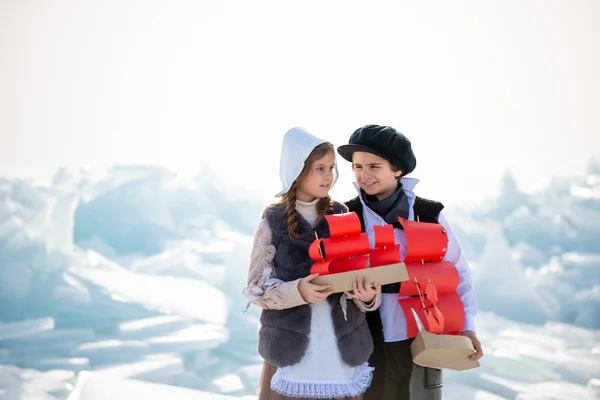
point(345, 247)
point(443, 275)
point(348, 248)
point(431, 293)
point(449, 306)
point(426, 242)
point(342, 225)
point(384, 235)
point(435, 318)
point(316, 250)
point(346, 239)
point(387, 256)
point(438, 304)
point(340, 265)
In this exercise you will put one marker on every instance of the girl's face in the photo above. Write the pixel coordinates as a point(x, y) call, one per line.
point(319, 179)
point(375, 174)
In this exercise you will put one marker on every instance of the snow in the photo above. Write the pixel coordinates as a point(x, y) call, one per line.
point(168, 295)
point(159, 368)
point(200, 337)
point(106, 351)
point(98, 387)
point(69, 364)
point(501, 283)
point(17, 383)
point(153, 326)
point(25, 328)
point(131, 286)
point(229, 383)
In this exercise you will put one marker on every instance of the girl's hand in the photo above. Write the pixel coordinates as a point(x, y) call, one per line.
point(312, 293)
point(364, 292)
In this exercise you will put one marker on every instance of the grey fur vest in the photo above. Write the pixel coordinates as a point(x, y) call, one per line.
point(284, 334)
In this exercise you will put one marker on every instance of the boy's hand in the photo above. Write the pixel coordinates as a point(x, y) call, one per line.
point(364, 292)
point(476, 343)
point(312, 293)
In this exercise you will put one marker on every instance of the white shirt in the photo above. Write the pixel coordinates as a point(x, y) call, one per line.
point(392, 316)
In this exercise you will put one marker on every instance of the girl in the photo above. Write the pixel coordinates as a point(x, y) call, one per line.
point(315, 344)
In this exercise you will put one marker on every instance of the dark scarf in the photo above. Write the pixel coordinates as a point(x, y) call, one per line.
point(389, 208)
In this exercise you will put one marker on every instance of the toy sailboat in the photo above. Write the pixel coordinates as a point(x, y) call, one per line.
point(346, 254)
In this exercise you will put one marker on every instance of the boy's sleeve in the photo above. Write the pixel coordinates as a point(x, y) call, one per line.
point(465, 289)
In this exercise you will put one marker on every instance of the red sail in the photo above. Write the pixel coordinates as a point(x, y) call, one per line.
point(345, 239)
point(432, 293)
point(426, 242)
point(321, 268)
point(449, 305)
point(384, 235)
point(435, 320)
point(345, 247)
point(443, 275)
point(315, 251)
point(339, 265)
point(387, 256)
point(341, 225)
point(348, 248)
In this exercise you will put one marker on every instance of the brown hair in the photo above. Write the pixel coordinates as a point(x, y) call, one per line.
point(324, 205)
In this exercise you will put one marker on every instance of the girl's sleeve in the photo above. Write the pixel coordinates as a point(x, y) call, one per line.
point(263, 288)
point(371, 306)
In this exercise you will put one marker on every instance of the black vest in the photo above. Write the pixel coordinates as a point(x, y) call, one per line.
point(284, 334)
point(426, 210)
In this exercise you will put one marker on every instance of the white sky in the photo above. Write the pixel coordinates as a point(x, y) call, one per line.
point(479, 87)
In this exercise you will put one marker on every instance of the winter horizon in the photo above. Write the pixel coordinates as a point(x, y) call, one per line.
point(184, 84)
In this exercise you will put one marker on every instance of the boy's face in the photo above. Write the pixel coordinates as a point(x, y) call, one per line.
point(375, 174)
point(319, 180)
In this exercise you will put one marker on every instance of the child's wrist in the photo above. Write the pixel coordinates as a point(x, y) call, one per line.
point(366, 302)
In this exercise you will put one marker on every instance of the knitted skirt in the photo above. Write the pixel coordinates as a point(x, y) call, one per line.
point(264, 386)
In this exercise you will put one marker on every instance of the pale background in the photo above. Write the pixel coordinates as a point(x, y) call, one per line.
point(479, 87)
point(115, 280)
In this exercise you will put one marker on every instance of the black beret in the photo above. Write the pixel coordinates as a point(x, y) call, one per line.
point(384, 141)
